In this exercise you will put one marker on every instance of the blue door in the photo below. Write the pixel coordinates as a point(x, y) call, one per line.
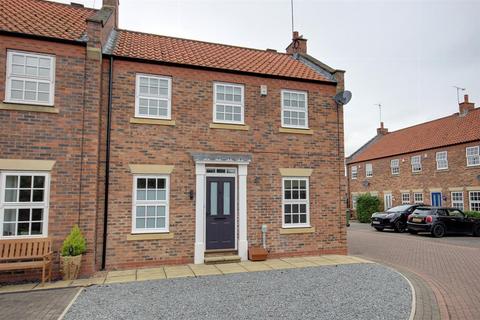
point(436, 199)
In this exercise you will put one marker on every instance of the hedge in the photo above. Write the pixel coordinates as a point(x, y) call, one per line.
point(366, 206)
point(473, 214)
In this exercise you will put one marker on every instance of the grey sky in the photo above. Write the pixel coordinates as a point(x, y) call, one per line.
point(405, 54)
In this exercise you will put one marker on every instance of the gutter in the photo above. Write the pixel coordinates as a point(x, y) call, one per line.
point(107, 164)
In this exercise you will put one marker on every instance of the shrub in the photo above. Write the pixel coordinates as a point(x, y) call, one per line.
point(473, 214)
point(366, 206)
point(74, 244)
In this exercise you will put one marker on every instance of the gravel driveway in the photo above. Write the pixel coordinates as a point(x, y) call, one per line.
point(356, 291)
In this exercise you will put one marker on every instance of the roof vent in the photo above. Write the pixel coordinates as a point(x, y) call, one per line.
point(75, 4)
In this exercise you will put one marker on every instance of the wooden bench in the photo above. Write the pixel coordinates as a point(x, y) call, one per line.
point(23, 254)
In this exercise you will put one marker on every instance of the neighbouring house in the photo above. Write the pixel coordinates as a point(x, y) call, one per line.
point(435, 163)
point(164, 149)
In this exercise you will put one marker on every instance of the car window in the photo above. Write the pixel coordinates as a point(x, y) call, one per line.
point(399, 208)
point(441, 212)
point(455, 213)
point(423, 211)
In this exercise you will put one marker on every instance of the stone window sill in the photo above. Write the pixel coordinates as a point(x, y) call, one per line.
point(297, 230)
point(28, 107)
point(150, 236)
point(296, 131)
point(158, 122)
point(226, 126)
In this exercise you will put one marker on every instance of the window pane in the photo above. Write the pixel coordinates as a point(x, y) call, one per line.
point(12, 182)
point(303, 218)
point(140, 223)
point(25, 182)
point(10, 215)
point(161, 223)
point(152, 184)
point(288, 208)
point(141, 211)
point(39, 182)
point(23, 214)
point(23, 229)
point(226, 198)
point(25, 195)
point(43, 97)
point(141, 183)
point(151, 223)
point(8, 229)
point(161, 183)
point(288, 219)
point(36, 228)
point(151, 195)
point(17, 94)
point(38, 195)
point(213, 199)
point(151, 211)
point(161, 195)
point(10, 195)
point(141, 195)
point(17, 85)
point(161, 211)
point(37, 214)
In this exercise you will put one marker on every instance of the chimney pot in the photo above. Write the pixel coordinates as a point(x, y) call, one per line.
point(298, 44)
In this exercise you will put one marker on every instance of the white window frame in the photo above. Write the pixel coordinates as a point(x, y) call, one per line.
point(354, 201)
point(165, 202)
point(241, 104)
point(470, 202)
point(473, 160)
point(369, 170)
point(415, 200)
point(153, 97)
point(284, 108)
point(393, 167)
point(354, 173)
point(456, 203)
point(413, 162)
point(32, 205)
point(10, 77)
point(405, 197)
point(296, 201)
point(441, 158)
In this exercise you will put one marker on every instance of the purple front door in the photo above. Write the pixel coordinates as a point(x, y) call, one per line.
point(220, 220)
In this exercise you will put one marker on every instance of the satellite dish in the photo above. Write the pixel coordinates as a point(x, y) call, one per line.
point(343, 97)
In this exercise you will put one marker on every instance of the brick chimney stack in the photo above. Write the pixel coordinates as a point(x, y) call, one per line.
point(466, 106)
point(113, 4)
point(382, 130)
point(298, 45)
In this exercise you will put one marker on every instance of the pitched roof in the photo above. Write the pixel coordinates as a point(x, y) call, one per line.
point(441, 132)
point(44, 18)
point(138, 45)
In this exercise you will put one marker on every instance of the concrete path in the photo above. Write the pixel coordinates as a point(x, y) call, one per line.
point(448, 266)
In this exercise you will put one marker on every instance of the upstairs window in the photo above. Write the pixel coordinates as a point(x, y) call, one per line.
point(405, 198)
point(354, 172)
point(24, 204)
point(395, 167)
point(294, 109)
point(228, 105)
point(369, 170)
point(30, 78)
point(416, 162)
point(153, 97)
point(473, 156)
point(442, 160)
point(295, 202)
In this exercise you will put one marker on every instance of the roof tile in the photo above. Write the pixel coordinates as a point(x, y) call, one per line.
point(441, 132)
point(138, 45)
point(44, 18)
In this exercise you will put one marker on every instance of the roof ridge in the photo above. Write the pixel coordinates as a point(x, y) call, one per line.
point(430, 121)
point(206, 42)
point(66, 5)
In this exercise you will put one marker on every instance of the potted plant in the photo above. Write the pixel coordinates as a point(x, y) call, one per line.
point(71, 254)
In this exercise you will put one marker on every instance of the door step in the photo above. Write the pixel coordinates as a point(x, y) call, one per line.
point(221, 259)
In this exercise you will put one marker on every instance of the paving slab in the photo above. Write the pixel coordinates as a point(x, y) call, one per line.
point(54, 285)
point(151, 274)
point(320, 261)
point(254, 266)
point(278, 264)
point(118, 279)
point(228, 268)
point(178, 272)
point(299, 262)
point(121, 273)
point(204, 269)
point(88, 281)
point(18, 287)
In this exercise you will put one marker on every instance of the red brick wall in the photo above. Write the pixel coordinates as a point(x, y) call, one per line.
point(457, 175)
point(49, 136)
point(271, 150)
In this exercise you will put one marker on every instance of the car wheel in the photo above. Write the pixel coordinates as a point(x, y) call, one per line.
point(413, 231)
point(476, 231)
point(379, 229)
point(438, 230)
point(400, 227)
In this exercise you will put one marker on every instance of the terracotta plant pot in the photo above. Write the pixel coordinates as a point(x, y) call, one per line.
point(70, 266)
point(257, 254)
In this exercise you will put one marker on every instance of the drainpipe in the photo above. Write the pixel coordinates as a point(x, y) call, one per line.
point(264, 236)
point(107, 164)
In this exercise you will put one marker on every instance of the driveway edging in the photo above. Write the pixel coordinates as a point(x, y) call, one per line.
point(70, 304)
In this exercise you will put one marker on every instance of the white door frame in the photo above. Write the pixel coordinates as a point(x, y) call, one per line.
point(200, 205)
point(389, 194)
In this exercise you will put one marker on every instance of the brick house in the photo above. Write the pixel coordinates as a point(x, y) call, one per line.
point(435, 162)
point(164, 149)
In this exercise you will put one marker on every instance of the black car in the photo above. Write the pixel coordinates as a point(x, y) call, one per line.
point(440, 221)
point(394, 218)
